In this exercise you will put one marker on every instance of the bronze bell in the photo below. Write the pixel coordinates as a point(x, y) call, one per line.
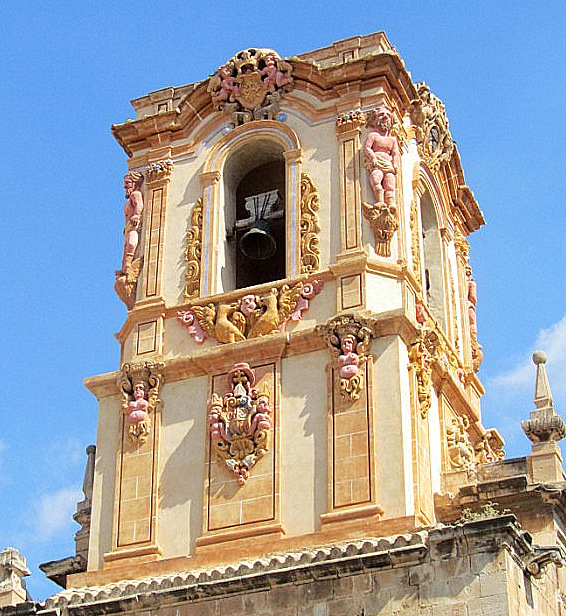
point(258, 243)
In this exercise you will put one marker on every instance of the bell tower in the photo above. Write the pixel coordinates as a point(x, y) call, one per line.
point(299, 356)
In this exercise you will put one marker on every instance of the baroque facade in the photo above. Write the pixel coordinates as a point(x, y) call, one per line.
point(295, 427)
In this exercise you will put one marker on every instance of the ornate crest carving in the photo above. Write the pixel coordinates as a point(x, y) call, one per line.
point(139, 384)
point(348, 338)
point(461, 454)
point(250, 316)
point(434, 140)
point(383, 221)
point(461, 245)
point(250, 85)
point(160, 170)
point(193, 252)
point(422, 354)
point(240, 423)
point(310, 203)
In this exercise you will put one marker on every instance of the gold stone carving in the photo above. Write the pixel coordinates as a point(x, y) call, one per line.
point(415, 240)
point(193, 253)
point(434, 140)
point(139, 384)
point(250, 85)
point(383, 221)
point(349, 339)
point(250, 316)
point(240, 422)
point(422, 353)
point(125, 284)
point(310, 203)
point(461, 454)
point(489, 447)
point(160, 170)
point(350, 120)
point(461, 245)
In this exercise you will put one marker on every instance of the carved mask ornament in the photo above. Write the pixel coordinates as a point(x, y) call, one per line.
point(240, 422)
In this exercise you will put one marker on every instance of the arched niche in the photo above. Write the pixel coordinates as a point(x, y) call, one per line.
point(433, 282)
point(253, 159)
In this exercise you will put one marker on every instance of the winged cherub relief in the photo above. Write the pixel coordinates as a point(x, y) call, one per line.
point(250, 316)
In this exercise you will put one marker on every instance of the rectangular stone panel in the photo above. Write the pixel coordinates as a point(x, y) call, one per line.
point(230, 504)
point(351, 468)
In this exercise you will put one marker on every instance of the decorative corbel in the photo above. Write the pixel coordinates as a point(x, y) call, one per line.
point(139, 384)
point(348, 338)
point(543, 556)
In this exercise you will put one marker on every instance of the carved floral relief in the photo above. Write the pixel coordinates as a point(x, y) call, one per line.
point(349, 339)
point(240, 423)
point(193, 252)
point(310, 203)
point(422, 353)
point(250, 85)
point(250, 316)
point(139, 384)
point(489, 447)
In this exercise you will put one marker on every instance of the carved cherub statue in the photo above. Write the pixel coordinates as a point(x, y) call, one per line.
point(348, 361)
point(137, 408)
point(382, 155)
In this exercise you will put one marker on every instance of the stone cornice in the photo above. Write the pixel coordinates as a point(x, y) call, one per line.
point(325, 84)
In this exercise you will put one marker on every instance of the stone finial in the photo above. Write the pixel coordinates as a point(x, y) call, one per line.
point(544, 424)
point(84, 508)
point(12, 569)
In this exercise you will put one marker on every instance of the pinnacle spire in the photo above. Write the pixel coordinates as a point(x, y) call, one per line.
point(544, 424)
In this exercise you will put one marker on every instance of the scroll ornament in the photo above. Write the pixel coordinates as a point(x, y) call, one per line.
point(349, 339)
point(310, 203)
point(250, 316)
point(139, 384)
point(240, 423)
point(422, 353)
point(250, 85)
point(193, 252)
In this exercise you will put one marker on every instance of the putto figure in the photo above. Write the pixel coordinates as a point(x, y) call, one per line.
point(240, 423)
point(382, 155)
point(132, 214)
point(127, 276)
point(382, 161)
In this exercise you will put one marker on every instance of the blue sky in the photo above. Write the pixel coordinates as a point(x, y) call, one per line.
point(68, 71)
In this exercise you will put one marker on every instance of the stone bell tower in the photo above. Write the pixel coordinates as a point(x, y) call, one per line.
point(299, 357)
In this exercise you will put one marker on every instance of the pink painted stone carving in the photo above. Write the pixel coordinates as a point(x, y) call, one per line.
point(189, 320)
point(137, 408)
point(349, 360)
point(132, 214)
point(382, 155)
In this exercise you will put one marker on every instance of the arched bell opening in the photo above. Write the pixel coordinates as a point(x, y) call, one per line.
point(433, 282)
point(254, 215)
